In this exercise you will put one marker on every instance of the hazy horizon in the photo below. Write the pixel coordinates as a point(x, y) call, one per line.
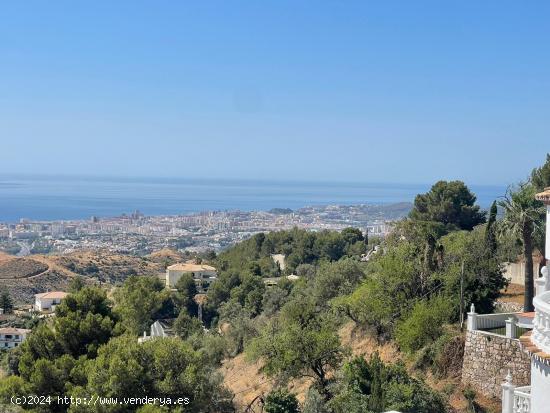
point(220, 179)
point(50, 198)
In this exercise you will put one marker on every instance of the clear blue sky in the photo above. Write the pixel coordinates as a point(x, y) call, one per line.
point(384, 91)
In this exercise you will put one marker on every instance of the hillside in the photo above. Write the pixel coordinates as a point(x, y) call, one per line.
point(24, 277)
point(21, 268)
point(246, 381)
point(108, 267)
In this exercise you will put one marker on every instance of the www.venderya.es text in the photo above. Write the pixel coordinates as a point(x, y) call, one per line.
point(97, 400)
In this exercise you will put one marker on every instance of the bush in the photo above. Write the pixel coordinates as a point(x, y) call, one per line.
point(444, 356)
point(314, 402)
point(424, 324)
point(370, 306)
point(373, 386)
point(281, 401)
point(185, 325)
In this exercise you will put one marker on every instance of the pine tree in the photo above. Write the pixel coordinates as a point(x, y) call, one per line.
point(6, 302)
point(540, 177)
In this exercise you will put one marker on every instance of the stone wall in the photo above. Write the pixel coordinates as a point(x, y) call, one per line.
point(487, 359)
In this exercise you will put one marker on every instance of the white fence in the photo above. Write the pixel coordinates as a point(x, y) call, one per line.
point(501, 324)
point(522, 399)
point(515, 399)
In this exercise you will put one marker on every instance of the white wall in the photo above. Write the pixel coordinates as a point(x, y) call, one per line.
point(515, 272)
point(43, 304)
point(540, 387)
point(172, 276)
point(12, 342)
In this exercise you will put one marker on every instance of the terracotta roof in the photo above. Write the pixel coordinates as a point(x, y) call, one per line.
point(191, 267)
point(527, 315)
point(11, 330)
point(52, 294)
point(544, 196)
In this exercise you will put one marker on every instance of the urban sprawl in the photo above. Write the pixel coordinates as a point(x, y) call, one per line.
point(136, 233)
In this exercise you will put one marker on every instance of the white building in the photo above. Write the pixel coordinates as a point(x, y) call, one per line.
point(536, 397)
point(203, 275)
point(280, 259)
point(12, 337)
point(159, 329)
point(48, 301)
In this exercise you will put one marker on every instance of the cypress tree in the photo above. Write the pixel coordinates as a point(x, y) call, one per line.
point(490, 231)
point(6, 302)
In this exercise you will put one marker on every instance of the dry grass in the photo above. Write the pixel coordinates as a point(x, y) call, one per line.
point(21, 268)
point(247, 382)
point(4, 256)
point(363, 344)
point(166, 255)
point(514, 293)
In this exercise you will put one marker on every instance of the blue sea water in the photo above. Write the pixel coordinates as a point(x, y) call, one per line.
point(57, 198)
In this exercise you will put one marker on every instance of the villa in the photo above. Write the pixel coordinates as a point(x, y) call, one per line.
point(203, 275)
point(536, 343)
point(12, 337)
point(49, 300)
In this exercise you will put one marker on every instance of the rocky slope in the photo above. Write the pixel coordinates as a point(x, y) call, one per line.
point(24, 277)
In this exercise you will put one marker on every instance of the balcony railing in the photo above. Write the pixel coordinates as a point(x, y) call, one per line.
point(500, 324)
point(541, 323)
point(522, 399)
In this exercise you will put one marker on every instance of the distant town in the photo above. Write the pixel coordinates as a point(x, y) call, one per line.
point(139, 234)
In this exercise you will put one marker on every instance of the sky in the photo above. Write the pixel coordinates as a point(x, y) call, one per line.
point(366, 91)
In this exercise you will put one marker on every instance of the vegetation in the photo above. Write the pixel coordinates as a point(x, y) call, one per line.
point(300, 247)
point(450, 203)
point(523, 217)
point(424, 324)
point(161, 368)
point(374, 387)
point(140, 301)
point(6, 303)
point(301, 342)
point(540, 177)
point(281, 401)
point(414, 290)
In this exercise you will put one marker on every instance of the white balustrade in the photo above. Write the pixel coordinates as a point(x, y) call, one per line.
point(541, 323)
point(485, 323)
point(522, 399)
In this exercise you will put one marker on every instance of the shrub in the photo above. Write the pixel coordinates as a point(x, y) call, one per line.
point(443, 357)
point(424, 324)
point(373, 386)
point(314, 403)
point(281, 401)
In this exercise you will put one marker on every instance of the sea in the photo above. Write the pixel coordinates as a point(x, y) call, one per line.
point(50, 198)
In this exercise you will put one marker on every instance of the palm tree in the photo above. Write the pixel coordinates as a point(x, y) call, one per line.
point(522, 218)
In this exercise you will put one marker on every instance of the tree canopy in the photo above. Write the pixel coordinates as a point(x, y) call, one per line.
point(450, 203)
point(540, 177)
point(523, 217)
point(299, 343)
point(140, 301)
